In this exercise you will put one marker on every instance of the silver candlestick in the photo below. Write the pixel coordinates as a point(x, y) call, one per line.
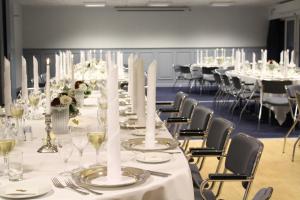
point(48, 147)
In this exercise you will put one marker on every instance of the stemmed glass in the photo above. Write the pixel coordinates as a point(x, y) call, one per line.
point(96, 139)
point(80, 141)
point(34, 100)
point(65, 150)
point(17, 111)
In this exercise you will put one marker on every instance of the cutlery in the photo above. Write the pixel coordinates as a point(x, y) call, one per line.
point(161, 174)
point(70, 183)
point(58, 184)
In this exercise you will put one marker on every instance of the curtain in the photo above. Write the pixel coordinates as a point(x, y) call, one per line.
point(275, 39)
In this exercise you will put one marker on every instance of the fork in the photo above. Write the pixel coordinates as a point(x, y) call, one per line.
point(58, 184)
point(71, 184)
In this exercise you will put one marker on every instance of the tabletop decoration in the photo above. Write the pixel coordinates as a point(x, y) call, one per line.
point(140, 92)
point(151, 105)
point(60, 110)
point(90, 69)
point(7, 86)
point(86, 88)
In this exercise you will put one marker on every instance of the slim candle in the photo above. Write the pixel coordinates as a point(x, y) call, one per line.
point(35, 74)
point(48, 86)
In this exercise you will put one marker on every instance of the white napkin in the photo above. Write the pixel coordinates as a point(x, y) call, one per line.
point(57, 68)
point(140, 92)
point(24, 79)
point(151, 103)
point(35, 74)
point(113, 127)
point(7, 86)
point(120, 64)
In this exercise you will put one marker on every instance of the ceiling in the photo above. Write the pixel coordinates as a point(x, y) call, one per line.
point(145, 2)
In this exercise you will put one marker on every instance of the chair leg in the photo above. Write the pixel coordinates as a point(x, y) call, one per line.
point(175, 83)
point(287, 135)
point(294, 149)
point(259, 117)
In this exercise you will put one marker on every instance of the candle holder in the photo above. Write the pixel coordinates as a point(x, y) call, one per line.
point(48, 147)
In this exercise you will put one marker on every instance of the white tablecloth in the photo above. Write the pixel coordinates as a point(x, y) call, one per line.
point(178, 186)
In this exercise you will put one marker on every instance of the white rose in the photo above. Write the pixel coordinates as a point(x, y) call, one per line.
point(83, 87)
point(65, 100)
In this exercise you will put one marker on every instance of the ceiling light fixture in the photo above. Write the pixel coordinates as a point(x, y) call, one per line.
point(94, 4)
point(158, 4)
point(222, 3)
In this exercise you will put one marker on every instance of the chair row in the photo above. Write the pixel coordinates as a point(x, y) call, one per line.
point(194, 121)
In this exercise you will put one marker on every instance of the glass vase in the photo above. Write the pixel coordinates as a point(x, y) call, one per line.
point(79, 96)
point(60, 119)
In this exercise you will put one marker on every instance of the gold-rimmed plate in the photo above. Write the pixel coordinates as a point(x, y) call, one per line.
point(94, 177)
point(161, 144)
point(132, 124)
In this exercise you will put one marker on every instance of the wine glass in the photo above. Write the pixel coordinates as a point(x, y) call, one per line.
point(65, 150)
point(7, 144)
point(34, 100)
point(80, 141)
point(96, 139)
point(17, 111)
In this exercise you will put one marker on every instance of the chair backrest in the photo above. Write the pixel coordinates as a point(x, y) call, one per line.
point(179, 98)
point(291, 90)
point(298, 99)
point(243, 155)
point(208, 70)
point(275, 87)
point(177, 68)
point(218, 78)
point(188, 106)
point(264, 194)
point(236, 81)
point(226, 80)
point(218, 133)
point(185, 69)
point(201, 118)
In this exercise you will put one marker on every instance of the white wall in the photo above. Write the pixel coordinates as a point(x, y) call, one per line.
point(79, 27)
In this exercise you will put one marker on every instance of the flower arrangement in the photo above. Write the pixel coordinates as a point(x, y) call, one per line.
point(65, 99)
point(81, 85)
point(272, 64)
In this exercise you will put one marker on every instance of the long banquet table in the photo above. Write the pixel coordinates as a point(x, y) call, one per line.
point(41, 167)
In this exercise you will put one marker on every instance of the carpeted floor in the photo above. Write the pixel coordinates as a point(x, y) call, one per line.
point(248, 124)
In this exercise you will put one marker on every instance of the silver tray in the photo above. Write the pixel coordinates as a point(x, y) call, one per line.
point(86, 176)
point(164, 143)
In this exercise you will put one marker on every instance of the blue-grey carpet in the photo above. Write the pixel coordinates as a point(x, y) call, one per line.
point(248, 124)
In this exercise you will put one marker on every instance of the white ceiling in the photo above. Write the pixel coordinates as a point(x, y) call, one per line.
point(145, 2)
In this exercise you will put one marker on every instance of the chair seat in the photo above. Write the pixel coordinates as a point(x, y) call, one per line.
point(208, 77)
point(276, 101)
point(263, 194)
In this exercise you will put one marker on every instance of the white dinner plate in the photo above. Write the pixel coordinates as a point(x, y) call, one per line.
point(25, 189)
point(140, 132)
point(153, 157)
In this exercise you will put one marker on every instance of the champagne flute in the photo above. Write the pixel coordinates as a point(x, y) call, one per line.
point(65, 150)
point(80, 141)
point(96, 139)
point(17, 111)
point(34, 100)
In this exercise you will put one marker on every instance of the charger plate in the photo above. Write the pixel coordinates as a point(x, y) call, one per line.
point(161, 144)
point(88, 177)
point(131, 124)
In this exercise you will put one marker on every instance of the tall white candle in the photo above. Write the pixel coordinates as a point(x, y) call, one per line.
point(292, 63)
point(82, 57)
point(101, 56)
point(7, 86)
point(72, 70)
point(113, 128)
point(48, 100)
point(24, 79)
point(151, 102)
point(35, 74)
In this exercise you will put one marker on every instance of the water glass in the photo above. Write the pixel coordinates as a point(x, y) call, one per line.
point(15, 166)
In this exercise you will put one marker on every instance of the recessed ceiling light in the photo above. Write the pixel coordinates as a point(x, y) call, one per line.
point(158, 4)
point(94, 4)
point(222, 3)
